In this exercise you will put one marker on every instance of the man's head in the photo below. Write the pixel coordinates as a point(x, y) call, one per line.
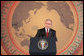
point(48, 23)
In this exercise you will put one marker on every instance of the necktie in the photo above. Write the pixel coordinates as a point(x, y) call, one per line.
point(47, 32)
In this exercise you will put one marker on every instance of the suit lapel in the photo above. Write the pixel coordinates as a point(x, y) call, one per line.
point(44, 31)
point(50, 33)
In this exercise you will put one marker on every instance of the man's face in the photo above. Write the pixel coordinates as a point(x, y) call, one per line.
point(48, 24)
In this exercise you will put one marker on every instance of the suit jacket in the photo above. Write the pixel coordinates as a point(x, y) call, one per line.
point(42, 33)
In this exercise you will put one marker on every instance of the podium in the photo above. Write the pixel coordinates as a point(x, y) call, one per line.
point(42, 46)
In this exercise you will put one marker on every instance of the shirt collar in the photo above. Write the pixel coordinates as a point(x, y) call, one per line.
point(46, 29)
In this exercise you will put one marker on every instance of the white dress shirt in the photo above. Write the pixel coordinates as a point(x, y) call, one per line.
point(46, 30)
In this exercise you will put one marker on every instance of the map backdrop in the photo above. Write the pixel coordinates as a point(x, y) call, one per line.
point(22, 18)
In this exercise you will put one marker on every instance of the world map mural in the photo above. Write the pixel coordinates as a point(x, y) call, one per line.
point(19, 19)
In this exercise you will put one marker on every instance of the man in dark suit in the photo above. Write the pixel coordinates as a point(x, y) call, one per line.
point(50, 35)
